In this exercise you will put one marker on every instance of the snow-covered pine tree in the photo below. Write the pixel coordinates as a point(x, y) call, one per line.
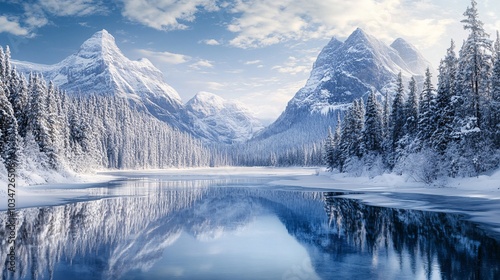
point(397, 117)
point(351, 136)
point(474, 69)
point(9, 140)
point(495, 95)
point(54, 122)
point(426, 111)
point(18, 97)
point(411, 109)
point(442, 134)
point(7, 65)
point(37, 118)
point(372, 132)
point(337, 136)
point(2, 64)
point(329, 150)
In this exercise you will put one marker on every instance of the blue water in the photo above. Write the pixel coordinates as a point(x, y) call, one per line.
point(160, 228)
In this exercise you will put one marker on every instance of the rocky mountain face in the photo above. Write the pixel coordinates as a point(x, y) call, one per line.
point(100, 67)
point(348, 70)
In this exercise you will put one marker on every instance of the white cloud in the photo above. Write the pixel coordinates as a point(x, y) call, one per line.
point(165, 57)
point(35, 14)
point(72, 7)
point(165, 14)
point(210, 42)
point(250, 62)
point(294, 66)
point(12, 26)
point(202, 63)
point(215, 86)
point(269, 102)
point(262, 23)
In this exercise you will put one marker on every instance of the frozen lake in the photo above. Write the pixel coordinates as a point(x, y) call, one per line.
point(224, 226)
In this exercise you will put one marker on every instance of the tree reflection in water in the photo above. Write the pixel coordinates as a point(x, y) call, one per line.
point(459, 248)
point(108, 238)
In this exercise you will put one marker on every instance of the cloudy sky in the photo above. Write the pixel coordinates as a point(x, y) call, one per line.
point(259, 52)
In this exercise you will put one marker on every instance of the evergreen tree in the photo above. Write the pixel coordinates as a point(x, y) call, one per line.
point(426, 111)
point(372, 132)
point(2, 64)
point(9, 140)
point(397, 117)
point(329, 150)
point(18, 97)
point(444, 107)
point(411, 109)
point(7, 66)
point(54, 125)
point(474, 68)
point(386, 112)
point(351, 134)
point(495, 95)
point(38, 117)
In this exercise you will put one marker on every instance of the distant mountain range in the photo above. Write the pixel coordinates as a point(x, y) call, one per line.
point(100, 67)
point(342, 72)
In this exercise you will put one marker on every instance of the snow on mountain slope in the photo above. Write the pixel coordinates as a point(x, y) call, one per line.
point(348, 70)
point(220, 120)
point(100, 67)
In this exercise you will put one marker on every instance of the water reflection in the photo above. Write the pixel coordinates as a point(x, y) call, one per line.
point(202, 229)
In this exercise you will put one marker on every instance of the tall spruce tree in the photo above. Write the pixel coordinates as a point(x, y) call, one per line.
point(442, 135)
point(372, 132)
point(2, 64)
point(426, 124)
point(9, 140)
point(351, 134)
point(38, 123)
point(411, 109)
point(329, 150)
point(495, 95)
point(474, 69)
point(397, 117)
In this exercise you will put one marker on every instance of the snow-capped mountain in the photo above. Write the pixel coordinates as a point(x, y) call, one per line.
point(100, 67)
point(348, 70)
point(220, 120)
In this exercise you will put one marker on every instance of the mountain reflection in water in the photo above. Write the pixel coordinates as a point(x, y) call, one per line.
point(259, 233)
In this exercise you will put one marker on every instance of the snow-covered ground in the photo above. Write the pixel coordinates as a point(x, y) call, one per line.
point(477, 197)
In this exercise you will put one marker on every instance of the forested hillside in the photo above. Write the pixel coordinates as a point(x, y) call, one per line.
point(43, 128)
point(452, 129)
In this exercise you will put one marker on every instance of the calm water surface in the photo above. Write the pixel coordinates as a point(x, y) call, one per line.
point(173, 228)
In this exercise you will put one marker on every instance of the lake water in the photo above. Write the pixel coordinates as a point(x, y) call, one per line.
point(164, 227)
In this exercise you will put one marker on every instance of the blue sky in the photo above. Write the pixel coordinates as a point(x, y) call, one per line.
point(258, 52)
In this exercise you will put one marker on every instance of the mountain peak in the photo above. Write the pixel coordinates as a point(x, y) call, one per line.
point(358, 33)
point(400, 41)
point(102, 42)
point(204, 95)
